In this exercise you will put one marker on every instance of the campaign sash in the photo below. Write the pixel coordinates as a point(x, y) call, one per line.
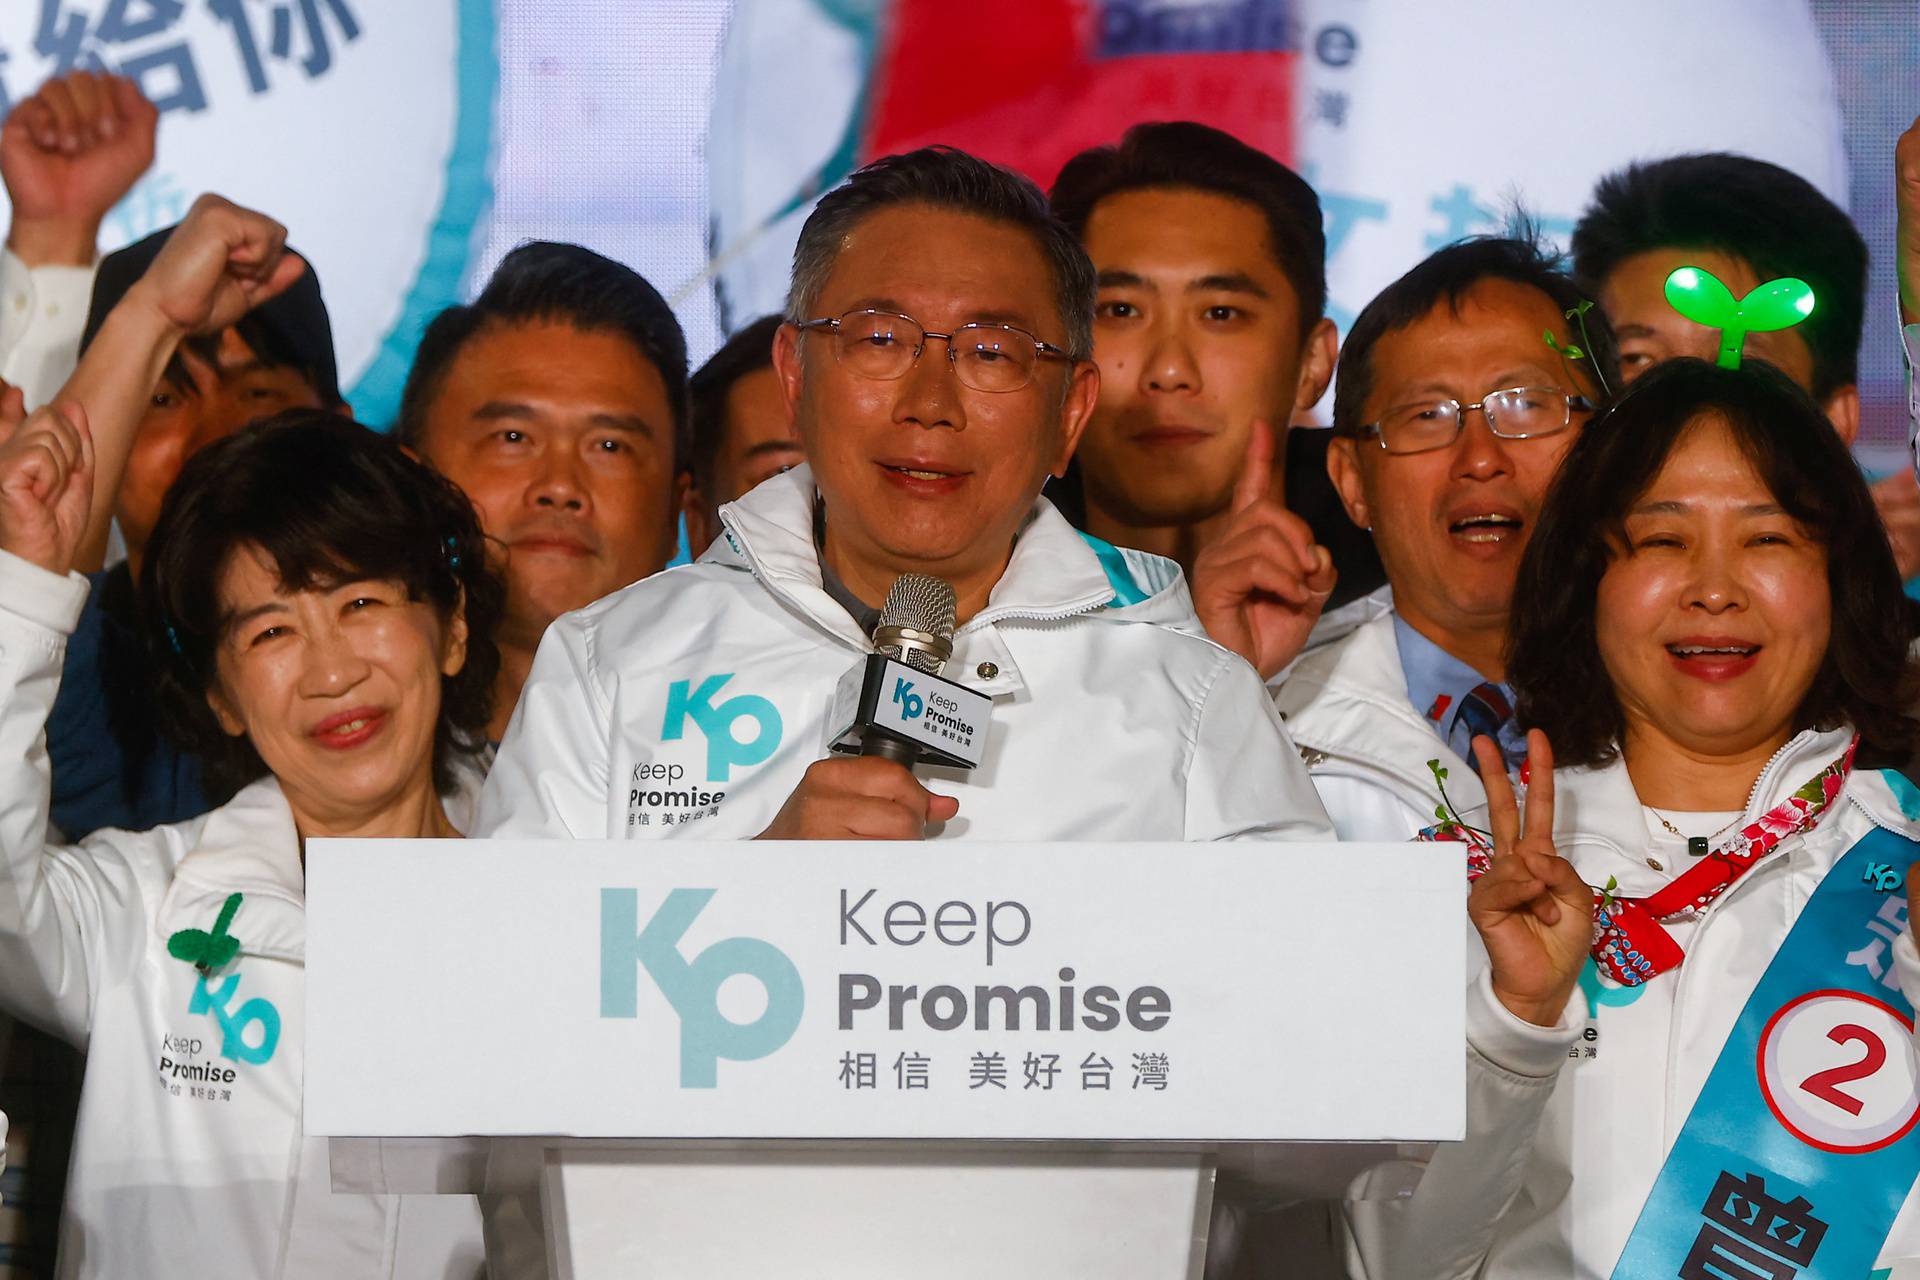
point(1802, 1146)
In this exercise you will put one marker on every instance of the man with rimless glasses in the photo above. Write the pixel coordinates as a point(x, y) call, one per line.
point(1452, 411)
point(936, 357)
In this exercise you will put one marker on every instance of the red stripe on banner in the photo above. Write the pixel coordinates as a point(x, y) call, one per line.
point(1017, 82)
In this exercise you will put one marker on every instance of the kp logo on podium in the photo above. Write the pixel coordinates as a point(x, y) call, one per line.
point(693, 987)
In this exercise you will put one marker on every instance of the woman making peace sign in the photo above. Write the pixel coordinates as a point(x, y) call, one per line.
point(1692, 1045)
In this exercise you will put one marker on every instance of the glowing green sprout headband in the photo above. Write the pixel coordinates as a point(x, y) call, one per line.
point(1699, 296)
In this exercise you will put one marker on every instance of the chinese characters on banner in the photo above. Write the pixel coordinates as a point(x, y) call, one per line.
point(145, 40)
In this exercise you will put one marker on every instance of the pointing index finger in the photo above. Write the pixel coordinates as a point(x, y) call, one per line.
point(1256, 467)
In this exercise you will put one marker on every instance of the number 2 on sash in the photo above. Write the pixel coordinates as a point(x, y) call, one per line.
point(1870, 1100)
point(1825, 1084)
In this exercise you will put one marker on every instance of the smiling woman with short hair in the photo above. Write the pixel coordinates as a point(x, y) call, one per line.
point(319, 613)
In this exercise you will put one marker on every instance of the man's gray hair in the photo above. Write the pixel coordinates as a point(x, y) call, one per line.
point(946, 178)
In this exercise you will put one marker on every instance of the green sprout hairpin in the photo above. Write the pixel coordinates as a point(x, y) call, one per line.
point(1698, 294)
point(1579, 350)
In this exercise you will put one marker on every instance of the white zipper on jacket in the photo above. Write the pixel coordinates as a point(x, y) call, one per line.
point(986, 617)
point(776, 589)
point(1906, 833)
point(1415, 783)
point(1073, 608)
point(1598, 840)
point(1753, 792)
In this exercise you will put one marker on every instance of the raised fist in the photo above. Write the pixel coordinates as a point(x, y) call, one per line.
point(46, 486)
point(220, 263)
point(67, 156)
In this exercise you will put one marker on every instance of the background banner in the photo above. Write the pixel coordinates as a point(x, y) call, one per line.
point(410, 146)
point(364, 125)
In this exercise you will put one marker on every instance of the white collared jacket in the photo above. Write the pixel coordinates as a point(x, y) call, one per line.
point(189, 1157)
point(690, 704)
point(1568, 1127)
point(1345, 704)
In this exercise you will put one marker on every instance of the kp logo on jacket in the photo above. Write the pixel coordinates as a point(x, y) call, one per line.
point(205, 1067)
point(692, 987)
point(739, 732)
point(726, 748)
point(249, 1029)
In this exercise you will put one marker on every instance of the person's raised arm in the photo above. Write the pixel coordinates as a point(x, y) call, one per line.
point(68, 154)
point(46, 471)
point(1534, 916)
point(1906, 162)
point(219, 263)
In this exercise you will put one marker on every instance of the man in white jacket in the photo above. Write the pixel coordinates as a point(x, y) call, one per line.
point(1452, 414)
point(936, 358)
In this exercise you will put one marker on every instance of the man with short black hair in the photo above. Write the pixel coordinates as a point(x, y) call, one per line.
point(557, 400)
point(1451, 415)
point(936, 358)
point(742, 430)
point(1211, 332)
point(1747, 222)
point(1210, 316)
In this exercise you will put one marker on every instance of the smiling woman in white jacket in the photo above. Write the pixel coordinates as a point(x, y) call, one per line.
point(311, 590)
point(1691, 1046)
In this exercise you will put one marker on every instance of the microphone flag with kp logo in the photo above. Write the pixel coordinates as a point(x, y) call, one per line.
point(895, 704)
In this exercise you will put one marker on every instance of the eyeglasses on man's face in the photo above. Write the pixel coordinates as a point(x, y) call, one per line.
point(1517, 413)
point(987, 357)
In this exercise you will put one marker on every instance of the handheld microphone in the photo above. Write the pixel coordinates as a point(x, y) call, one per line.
point(895, 704)
point(916, 622)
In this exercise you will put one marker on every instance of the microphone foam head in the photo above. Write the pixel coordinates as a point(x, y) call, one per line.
point(916, 622)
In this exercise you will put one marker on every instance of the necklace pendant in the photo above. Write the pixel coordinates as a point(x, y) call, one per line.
point(1697, 846)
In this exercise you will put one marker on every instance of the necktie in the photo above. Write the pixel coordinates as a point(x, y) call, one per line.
point(1486, 710)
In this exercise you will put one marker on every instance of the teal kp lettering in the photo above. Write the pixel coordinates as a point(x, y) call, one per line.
point(693, 987)
point(234, 1025)
point(725, 751)
point(910, 703)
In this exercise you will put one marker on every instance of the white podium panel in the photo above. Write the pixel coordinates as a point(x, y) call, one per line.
point(1184, 993)
point(858, 1214)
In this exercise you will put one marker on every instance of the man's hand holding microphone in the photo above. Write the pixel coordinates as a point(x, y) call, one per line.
point(874, 795)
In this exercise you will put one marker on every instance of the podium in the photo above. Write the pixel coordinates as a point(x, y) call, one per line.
point(671, 1059)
